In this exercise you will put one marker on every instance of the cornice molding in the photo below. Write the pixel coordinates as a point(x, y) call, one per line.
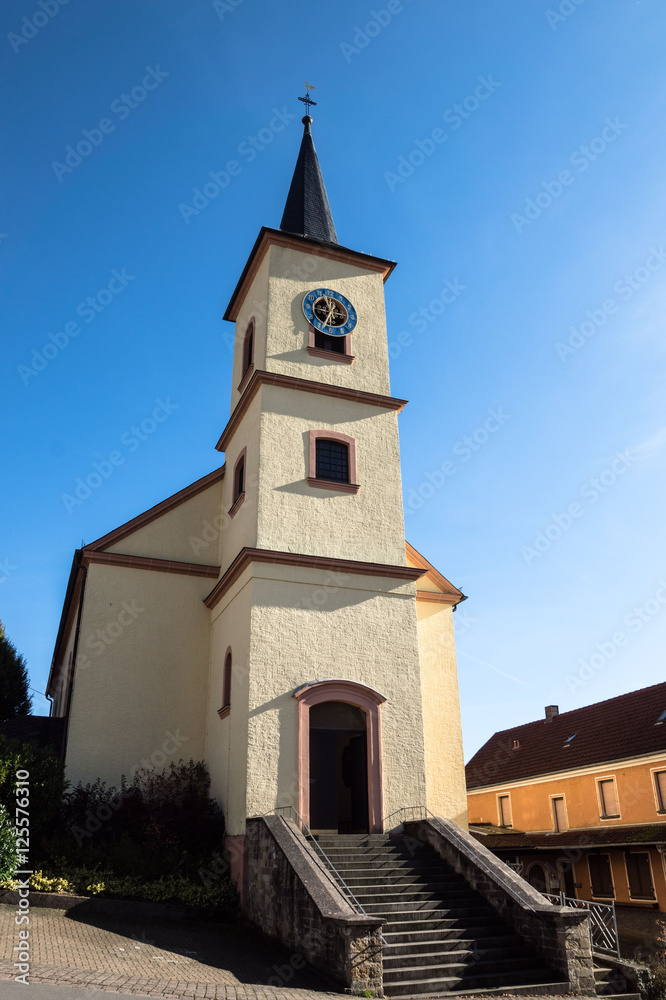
point(127, 561)
point(260, 378)
point(247, 556)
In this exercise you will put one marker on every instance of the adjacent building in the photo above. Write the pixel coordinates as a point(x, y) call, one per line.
point(577, 803)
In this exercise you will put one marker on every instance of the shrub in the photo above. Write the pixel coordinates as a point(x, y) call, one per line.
point(47, 786)
point(655, 987)
point(8, 855)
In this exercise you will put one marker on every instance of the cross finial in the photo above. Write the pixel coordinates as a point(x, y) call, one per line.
point(307, 100)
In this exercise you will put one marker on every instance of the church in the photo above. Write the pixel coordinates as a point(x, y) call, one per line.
point(270, 618)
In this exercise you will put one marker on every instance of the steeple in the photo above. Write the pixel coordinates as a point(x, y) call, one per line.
point(307, 212)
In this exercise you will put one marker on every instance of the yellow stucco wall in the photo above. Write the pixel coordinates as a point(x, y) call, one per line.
point(531, 800)
point(444, 760)
point(149, 679)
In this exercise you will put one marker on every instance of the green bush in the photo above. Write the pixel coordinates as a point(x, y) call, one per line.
point(8, 855)
point(655, 987)
point(46, 785)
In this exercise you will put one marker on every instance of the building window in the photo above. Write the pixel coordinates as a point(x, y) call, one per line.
point(226, 687)
point(332, 462)
point(608, 799)
point(660, 789)
point(600, 875)
point(238, 489)
point(560, 824)
point(504, 810)
point(322, 345)
point(247, 357)
point(639, 876)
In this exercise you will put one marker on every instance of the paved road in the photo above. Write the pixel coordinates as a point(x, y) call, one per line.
point(157, 959)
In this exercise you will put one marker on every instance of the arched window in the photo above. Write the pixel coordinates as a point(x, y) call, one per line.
point(238, 486)
point(226, 687)
point(332, 463)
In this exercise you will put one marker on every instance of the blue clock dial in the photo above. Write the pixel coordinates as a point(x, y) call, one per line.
point(330, 312)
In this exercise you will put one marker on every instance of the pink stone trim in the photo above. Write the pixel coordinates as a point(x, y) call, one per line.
point(312, 455)
point(238, 499)
point(331, 484)
point(345, 359)
point(361, 697)
point(246, 377)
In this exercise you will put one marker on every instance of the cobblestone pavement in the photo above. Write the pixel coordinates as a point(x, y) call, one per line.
point(158, 959)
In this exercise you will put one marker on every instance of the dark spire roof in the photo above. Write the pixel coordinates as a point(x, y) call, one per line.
point(307, 212)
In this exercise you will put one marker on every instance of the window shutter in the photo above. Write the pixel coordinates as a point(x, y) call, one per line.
point(660, 782)
point(608, 798)
point(505, 810)
point(559, 815)
point(600, 875)
point(640, 878)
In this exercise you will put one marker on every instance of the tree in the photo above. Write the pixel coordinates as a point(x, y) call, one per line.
point(15, 696)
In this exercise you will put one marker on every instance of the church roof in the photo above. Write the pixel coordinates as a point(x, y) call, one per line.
point(307, 211)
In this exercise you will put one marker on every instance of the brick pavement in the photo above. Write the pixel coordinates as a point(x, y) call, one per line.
point(159, 958)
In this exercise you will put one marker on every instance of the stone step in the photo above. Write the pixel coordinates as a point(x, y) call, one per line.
point(373, 857)
point(463, 969)
point(530, 990)
point(391, 864)
point(427, 906)
point(396, 894)
point(456, 937)
point(399, 876)
point(411, 921)
point(463, 984)
point(469, 948)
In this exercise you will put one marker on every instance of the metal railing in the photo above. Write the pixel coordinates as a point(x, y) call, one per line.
point(422, 812)
point(603, 921)
point(330, 868)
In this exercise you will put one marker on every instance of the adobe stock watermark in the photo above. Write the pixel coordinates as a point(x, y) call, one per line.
point(122, 108)
point(224, 7)
point(378, 20)
point(626, 287)
point(465, 448)
point(98, 642)
point(248, 149)
point(421, 319)
point(31, 26)
point(581, 158)
point(7, 569)
point(635, 621)
point(131, 441)
point(564, 11)
point(88, 310)
point(591, 490)
point(453, 116)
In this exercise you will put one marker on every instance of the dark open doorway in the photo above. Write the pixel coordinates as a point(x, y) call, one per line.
point(338, 768)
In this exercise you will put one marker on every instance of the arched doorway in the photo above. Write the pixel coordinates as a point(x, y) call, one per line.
point(338, 768)
point(339, 781)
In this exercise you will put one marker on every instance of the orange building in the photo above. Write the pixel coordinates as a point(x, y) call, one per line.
point(577, 803)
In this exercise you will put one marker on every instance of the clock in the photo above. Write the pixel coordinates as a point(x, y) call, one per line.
point(330, 312)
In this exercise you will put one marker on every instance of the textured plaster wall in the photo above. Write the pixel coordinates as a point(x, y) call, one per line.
point(150, 679)
point(241, 530)
point(291, 275)
point(307, 626)
point(226, 742)
point(178, 534)
point(296, 517)
point(531, 802)
point(445, 767)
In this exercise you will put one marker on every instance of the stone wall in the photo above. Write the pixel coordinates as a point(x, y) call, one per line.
point(559, 934)
point(293, 900)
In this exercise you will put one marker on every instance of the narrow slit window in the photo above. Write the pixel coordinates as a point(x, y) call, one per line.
point(332, 460)
point(248, 348)
point(226, 686)
point(239, 482)
point(504, 809)
point(608, 797)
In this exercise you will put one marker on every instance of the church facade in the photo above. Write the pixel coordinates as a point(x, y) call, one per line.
point(270, 619)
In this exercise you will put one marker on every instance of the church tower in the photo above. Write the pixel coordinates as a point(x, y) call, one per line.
point(336, 699)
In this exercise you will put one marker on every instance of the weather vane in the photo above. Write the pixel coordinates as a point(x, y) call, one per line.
point(307, 100)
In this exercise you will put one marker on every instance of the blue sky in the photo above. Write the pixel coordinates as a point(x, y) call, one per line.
point(508, 156)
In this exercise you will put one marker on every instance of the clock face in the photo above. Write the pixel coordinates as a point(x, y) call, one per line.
point(330, 312)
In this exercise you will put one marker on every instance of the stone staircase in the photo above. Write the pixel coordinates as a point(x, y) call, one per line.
point(441, 936)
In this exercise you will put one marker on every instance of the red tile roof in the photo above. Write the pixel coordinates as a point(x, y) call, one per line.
point(616, 729)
